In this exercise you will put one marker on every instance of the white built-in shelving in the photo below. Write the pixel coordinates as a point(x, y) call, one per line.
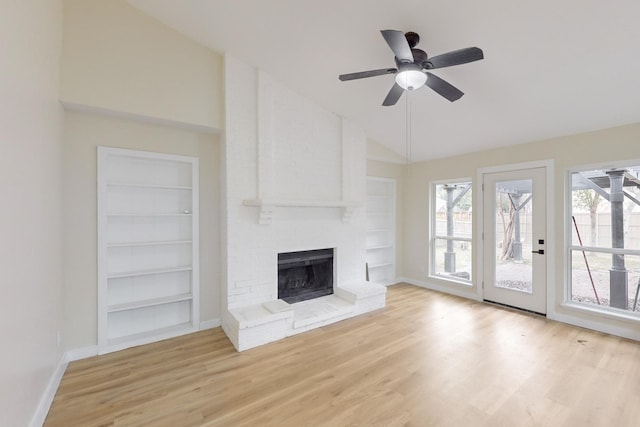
point(380, 229)
point(148, 275)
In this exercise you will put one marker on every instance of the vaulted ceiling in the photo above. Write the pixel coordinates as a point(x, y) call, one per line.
point(551, 68)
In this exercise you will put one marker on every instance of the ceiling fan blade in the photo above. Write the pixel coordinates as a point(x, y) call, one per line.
point(398, 44)
point(456, 57)
point(364, 74)
point(394, 94)
point(443, 88)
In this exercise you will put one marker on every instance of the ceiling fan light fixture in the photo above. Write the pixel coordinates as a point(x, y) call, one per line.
point(413, 66)
point(411, 79)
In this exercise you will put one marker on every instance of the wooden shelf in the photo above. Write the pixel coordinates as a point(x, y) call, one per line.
point(148, 272)
point(158, 243)
point(150, 336)
point(386, 264)
point(148, 302)
point(149, 186)
point(150, 215)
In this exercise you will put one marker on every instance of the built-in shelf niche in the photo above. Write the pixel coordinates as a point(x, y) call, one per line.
point(148, 276)
point(380, 230)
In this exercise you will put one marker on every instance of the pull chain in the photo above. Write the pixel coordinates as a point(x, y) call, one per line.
point(408, 128)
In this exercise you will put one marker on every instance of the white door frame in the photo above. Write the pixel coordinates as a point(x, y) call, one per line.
point(551, 238)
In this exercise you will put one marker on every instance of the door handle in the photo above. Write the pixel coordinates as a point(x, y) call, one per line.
point(539, 251)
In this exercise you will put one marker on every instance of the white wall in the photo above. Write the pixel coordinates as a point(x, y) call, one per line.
point(117, 58)
point(281, 146)
point(615, 144)
point(30, 222)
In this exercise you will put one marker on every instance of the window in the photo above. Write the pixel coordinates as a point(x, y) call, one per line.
point(451, 244)
point(604, 251)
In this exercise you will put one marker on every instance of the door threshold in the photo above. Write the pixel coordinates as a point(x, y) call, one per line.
point(512, 307)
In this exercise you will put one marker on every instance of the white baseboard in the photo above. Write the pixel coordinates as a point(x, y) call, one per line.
point(209, 324)
point(630, 333)
point(38, 418)
point(387, 282)
point(82, 353)
point(470, 294)
point(40, 415)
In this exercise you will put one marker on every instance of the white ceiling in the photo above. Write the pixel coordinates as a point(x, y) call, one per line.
point(551, 67)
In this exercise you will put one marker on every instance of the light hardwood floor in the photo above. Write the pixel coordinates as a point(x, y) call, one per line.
point(427, 359)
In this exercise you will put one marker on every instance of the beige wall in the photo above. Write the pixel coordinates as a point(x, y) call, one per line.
point(83, 133)
point(153, 89)
point(117, 58)
point(30, 217)
point(378, 152)
point(398, 172)
point(615, 144)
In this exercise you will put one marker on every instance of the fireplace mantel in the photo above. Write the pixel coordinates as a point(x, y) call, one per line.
point(267, 206)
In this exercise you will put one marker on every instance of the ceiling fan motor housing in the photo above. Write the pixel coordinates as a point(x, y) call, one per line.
point(412, 38)
point(420, 57)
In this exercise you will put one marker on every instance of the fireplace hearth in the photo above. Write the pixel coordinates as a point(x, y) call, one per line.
point(305, 275)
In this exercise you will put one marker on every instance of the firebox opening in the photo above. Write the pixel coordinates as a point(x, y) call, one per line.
point(305, 275)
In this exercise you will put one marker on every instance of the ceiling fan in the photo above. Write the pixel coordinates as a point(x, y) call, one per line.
point(414, 65)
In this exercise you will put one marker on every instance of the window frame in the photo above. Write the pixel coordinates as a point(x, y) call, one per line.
point(433, 237)
point(570, 250)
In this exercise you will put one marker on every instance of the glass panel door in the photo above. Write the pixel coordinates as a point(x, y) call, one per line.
point(515, 241)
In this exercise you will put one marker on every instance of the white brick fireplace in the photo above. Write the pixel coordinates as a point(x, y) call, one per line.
point(295, 181)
